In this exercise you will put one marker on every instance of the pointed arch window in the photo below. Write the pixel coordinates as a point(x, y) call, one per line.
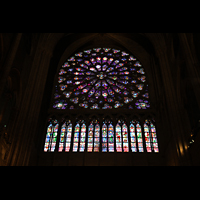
point(65, 136)
point(79, 131)
point(122, 143)
point(93, 136)
point(150, 136)
point(51, 136)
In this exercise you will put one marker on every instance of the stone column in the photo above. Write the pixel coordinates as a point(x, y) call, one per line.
point(28, 113)
point(9, 61)
point(175, 123)
point(191, 66)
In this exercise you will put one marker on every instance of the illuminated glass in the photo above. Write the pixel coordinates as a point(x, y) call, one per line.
point(150, 136)
point(104, 138)
point(65, 136)
point(133, 137)
point(101, 74)
point(139, 137)
point(51, 136)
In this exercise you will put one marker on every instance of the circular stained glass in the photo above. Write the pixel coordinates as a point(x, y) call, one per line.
point(101, 78)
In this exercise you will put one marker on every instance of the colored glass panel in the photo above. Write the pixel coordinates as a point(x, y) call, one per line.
point(51, 136)
point(76, 137)
point(118, 138)
point(96, 138)
point(104, 138)
point(82, 138)
point(133, 138)
point(125, 138)
point(110, 138)
point(101, 67)
point(90, 137)
point(139, 138)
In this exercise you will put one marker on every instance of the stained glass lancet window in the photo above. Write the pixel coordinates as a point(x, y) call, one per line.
point(133, 137)
point(51, 136)
point(110, 138)
point(82, 139)
point(65, 136)
point(79, 132)
point(93, 136)
point(101, 78)
point(150, 136)
point(122, 136)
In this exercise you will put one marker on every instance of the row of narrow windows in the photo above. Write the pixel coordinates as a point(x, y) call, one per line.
point(106, 137)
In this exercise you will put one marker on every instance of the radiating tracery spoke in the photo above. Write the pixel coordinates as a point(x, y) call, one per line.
point(101, 78)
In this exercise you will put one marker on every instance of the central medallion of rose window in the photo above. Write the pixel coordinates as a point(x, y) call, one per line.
point(101, 75)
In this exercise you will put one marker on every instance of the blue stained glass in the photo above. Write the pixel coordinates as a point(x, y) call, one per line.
point(143, 79)
point(110, 61)
point(66, 65)
point(89, 73)
point(98, 60)
point(146, 95)
point(119, 65)
point(113, 73)
point(125, 93)
point(106, 49)
point(95, 106)
point(92, 100)
point(71, 59)
point(110, 82)
point(104, 67)
point(116, 89)
point(61, 79)
point(120, 86)
point(93, 81)
point(113, 77)
point(75, 100)
point(105, 59)
point(115, 62)
point(93, 61)
point(62, 71)
point(63, 87)
point(127, 100)
point(87, 51)
point(67, 94)
point(98, 84)
point(135, 94)
point(141, 71)
point(91, 92)
point(98, 93)
point(104, 93)
point(137, 64)
point(110, 100)
point(132, 69)
point(110, 91)
point(131, 58)
point(115, 50)
point(106, 74)
point(124, 53)
point(79, 54)
point(104, 84)
point(110, 69)
point(117, 104)
point(98, 67)
point(77, 93)
point(97, 49)
point(140, 86)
